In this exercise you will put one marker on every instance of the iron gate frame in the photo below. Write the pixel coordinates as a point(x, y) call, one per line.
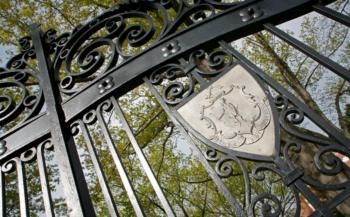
point(239, 20)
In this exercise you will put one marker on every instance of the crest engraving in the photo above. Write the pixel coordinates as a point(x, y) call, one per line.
point(233, 112)
point(231, 120)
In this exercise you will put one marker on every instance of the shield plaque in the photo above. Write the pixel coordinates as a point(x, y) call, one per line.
point(233, 113)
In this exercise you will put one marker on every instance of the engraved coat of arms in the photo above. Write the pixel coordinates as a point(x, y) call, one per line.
point(233, 116)
point(234, 113)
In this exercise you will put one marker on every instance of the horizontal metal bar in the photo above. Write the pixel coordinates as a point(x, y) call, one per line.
point(228, 25)
point(325, 61)
point(29, 133)
point(20, 126)
point(332, 14)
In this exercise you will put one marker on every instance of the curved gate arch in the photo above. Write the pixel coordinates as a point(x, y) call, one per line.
point(153, 105)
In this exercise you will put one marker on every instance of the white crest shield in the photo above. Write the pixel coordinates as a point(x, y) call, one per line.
point(233, 112)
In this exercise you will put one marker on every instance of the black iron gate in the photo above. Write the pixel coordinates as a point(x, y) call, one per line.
point(73, 108)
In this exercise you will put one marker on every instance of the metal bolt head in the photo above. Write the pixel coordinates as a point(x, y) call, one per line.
point(170, 48)
point(105, 85)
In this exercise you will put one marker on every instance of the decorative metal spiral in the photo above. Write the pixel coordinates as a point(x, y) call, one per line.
point(325, 160)
point(266, 209)
point(27, 156)
point(177, 84)
point(21, 97)
point(212, 64)
point(267, 204)
point(124, 30)
point(223, 167)
point(80, 55)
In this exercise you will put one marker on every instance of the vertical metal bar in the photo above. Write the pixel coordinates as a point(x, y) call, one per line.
point(332, 14)
point(74, 184)
point(22, 188)
point(325, 61)
point(99, 172)
point(169, 211)
point(45, 188)
point(227, 194)
point(123, 176)
point(2, 194)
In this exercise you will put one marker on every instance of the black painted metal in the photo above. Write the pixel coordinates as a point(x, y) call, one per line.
point(334, 15)
point(66, 102)
point(330, 64)
point(60, 134)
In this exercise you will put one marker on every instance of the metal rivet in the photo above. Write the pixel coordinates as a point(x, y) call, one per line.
point(251, 13)
point(105, 85)
point(170, 48)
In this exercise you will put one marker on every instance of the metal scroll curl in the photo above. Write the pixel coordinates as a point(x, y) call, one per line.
point(323, 150)
point(21, 96)
point(268, 203)
point(122, 32)
point(211, 64)
point(27, 156)
point(176, 84)
point(98, 46)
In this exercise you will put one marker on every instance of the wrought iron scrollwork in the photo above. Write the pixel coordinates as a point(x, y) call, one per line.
point(177, 81)
point(21, 97)
point(212, 64)
point(259, 200)
point(267, 203)
point(226, 165)
point(122, 32)
point(325, 161)
point(177, 84)
point(27, 156)
point(324, 150)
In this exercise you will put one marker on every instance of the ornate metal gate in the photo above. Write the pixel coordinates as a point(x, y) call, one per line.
point(87, 118)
